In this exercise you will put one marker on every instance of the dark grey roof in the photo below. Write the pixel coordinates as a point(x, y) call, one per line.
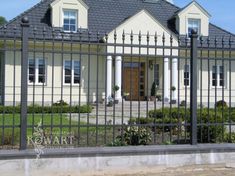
point(106, 15)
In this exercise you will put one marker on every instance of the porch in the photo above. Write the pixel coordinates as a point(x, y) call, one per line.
point(135, 77)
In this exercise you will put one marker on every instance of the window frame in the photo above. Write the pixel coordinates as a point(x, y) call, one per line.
point(72, 73)
point(154, 71)
point(199, 25)
point(184, 75)
point(218, 76)
point(36, 71)
point(76, 19)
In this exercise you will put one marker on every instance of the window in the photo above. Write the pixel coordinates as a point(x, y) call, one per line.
point(36, 72)
point(72, 72)
point(186, 75)
point(70, 21)
point(193, 24)
point(218, 77)
point(156, 74)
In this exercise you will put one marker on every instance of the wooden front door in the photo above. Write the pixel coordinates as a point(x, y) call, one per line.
point(133, 78)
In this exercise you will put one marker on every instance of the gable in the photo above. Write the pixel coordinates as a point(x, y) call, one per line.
point(58, 6)
point(193, 11)
point(194, 6)
point(142, 21)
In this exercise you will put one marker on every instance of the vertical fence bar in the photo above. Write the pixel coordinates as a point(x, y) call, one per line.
point(193, 88)
point(24, 83)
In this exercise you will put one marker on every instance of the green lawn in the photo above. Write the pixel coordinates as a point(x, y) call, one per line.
point(55, 125)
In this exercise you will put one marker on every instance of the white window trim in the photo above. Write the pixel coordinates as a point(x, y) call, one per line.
point(76, 20)
point(188, 86)
point(187, 26)
point(36, 72)
point(158, 73)
point(72, 79)
point(225, 77)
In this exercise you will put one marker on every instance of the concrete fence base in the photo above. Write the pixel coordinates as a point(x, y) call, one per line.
point(112, 160)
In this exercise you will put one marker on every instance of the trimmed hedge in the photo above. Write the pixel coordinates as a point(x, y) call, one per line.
point(173, 113)
point(211, 129)
point(47, 109)
point(165, 123)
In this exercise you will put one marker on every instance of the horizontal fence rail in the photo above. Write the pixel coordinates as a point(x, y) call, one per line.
point(81, 89)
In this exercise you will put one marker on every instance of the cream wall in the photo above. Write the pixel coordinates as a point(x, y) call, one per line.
point(193, 11)
point(58, 72)
point(146, 23)
point(205, 80)
point(58, 6)
point(9, 78)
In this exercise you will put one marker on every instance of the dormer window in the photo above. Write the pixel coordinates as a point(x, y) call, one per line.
point(70, 21)
point(194, 24)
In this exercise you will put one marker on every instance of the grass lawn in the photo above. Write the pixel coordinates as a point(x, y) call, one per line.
point(54, 125)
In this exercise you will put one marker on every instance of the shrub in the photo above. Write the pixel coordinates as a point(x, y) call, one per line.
point(165, 124)
point(173, 113)
point(210, 130)
point(228, 139)
point(60, 103)
point(9, 137)
point(133, 135)
point(183, 103)
point(141, 120)
point(221, 104)
point(47, 109)
point(153, 89)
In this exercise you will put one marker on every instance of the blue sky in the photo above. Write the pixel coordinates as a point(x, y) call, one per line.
point(222, 11)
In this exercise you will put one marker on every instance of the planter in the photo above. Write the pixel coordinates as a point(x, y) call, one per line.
point(116, 101)
point(173, 102)
point(152, 98)
point(110, 104)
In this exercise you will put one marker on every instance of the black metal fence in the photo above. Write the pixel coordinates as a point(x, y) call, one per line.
point(91, 89)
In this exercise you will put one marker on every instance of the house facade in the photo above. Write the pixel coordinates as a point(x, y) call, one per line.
point(129, 64)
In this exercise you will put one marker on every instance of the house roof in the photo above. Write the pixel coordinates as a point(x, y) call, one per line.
point(194, 3)
point(106, 15)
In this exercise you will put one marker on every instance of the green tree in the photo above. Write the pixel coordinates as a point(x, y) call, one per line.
point(2, 20)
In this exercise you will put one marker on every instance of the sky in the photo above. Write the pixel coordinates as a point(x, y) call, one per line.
point(222, 11)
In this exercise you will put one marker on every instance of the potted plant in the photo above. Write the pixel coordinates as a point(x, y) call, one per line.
point(173, 89)
point(153, 91)
point(110, 101)
point(115, 89)
point(159, 97)
point(125, 95)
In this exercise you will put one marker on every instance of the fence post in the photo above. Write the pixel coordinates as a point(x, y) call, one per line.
point(24, 83)
point(193, 87)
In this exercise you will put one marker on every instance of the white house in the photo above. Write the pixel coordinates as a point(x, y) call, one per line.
point(77, 72)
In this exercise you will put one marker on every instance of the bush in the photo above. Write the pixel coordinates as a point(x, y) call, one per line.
point(133, 135)
point(60, 103)
point(228, 139)
point(9, 137)
point(183, 103)
point(165, 124)
point(210, 131)
point(221, 104)
point(47, 109)
point(173, 113)
point(153, 89)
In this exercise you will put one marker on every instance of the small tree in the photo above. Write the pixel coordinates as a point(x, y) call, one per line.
point(153, 89)
point(2, 20)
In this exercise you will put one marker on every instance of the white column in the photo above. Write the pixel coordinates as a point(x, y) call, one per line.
point(175, 78)
point(166, 79)
point(118, 76)
point(109, 77)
